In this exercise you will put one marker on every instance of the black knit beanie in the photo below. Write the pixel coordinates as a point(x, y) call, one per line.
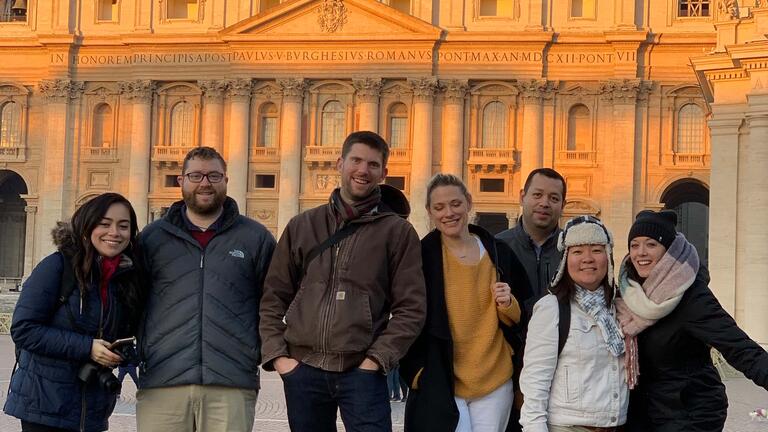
point(659, 226)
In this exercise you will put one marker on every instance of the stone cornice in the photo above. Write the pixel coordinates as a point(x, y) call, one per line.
point(139, 91)
point(368, 89)
point(61, 91)
point(454, 90)
point(424, 89)
point(213, 90)
point(239, 89)
point(293, 88)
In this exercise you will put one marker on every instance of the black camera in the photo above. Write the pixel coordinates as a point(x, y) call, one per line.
point(101, 374)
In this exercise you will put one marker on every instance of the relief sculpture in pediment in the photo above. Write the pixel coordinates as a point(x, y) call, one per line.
point(333, 15)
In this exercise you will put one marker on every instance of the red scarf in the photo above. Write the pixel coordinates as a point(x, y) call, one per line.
point(108, 269)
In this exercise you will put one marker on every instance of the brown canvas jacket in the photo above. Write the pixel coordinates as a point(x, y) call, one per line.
point(339, 313)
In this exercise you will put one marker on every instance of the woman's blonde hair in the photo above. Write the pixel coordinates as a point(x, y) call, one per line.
point(441, 179)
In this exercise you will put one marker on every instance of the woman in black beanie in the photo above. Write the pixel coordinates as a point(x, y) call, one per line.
point(670, 319)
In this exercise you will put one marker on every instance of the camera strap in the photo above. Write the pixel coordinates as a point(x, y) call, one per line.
point(340, 234)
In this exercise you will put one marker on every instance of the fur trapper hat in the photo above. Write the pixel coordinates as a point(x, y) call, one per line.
point(584, 230)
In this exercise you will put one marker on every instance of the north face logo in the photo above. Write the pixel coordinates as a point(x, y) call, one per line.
point(237, 253)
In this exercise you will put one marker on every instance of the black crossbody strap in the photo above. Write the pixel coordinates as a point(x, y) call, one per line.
point(338, 236)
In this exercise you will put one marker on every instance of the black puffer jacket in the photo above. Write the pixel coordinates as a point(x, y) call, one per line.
point(431, 407)
point(202, 321)
point(679, 389)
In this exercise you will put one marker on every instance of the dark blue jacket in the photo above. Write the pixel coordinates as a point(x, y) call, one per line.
point(202, 311)
point(45, 388)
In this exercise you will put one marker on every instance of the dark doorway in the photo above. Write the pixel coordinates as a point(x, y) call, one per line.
point(689, 198)
point(493, 222)
point(13, 225)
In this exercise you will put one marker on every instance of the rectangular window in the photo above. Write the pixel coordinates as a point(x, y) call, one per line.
point(265, 181)
point(396, 182)
point(107, 10)
point(583, 9)
point(268, 132)
point(491, 185)
point(693, 8)
point(399, 132)
point(171, 181)
point(13, 10)
point(493, 222)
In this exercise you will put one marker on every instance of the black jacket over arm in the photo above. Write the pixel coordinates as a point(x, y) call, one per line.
point(679, 389)
point(431, 406)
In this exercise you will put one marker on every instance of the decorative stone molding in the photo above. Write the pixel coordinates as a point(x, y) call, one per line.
point(729, 9)
point(332, 15)
point(368, 89)
point(213, 90)
point(139, 91)
point(267, 90)
point(327, 182)
point(293, 88)
point(239, 89)
point(624, 91)
point(424, 89)
point(454, 90)
point(60, 91)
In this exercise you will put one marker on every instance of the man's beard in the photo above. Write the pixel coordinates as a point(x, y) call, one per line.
point(190, 199)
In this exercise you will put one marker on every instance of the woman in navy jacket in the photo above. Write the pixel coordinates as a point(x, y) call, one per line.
point(55, 338)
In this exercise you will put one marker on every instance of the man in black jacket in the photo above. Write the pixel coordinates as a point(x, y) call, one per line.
point(199, 342)
point(534, 238)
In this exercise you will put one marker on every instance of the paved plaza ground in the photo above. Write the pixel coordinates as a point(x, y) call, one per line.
point(744, 397)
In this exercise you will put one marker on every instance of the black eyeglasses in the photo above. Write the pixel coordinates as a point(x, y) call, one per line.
point(197, 177)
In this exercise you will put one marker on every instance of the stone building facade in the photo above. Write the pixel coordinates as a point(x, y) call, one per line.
point(100, 95)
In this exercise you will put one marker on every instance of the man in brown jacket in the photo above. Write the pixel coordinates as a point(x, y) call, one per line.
point(338, 314)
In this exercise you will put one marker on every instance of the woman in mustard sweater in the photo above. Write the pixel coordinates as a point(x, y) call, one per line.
point(461, 367)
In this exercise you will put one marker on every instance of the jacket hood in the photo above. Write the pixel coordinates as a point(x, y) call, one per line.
point(63, 237)
point(395, 200)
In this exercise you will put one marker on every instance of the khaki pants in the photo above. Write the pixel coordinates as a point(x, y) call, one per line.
point(192, 408)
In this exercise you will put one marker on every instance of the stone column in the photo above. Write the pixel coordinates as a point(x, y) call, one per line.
point(29, 241)
point(290, 150)
point(723, 190)
point(453, 126)
point(752, 230)
point(56, 167)
point(368, 90)
point(239, 92)
point(421, 160)
point(213, 112)
point(533, 134)
point(140, 94)
point(620, 172)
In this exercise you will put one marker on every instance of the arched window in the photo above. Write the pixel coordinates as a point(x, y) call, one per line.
point(579, 129)
point(690, 130)
point(102, 126)
point(10, 125)
point(494, 125)
point(403, 6)
point(182, 125)
point(398, 126)
point(267, 4)
point(267, 125)
point(333, 122)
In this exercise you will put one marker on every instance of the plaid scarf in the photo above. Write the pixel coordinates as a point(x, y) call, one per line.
point(593, 303)
point(345, 212)
point(641, 305)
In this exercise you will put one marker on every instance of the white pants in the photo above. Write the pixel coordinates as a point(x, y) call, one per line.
point(489, 413)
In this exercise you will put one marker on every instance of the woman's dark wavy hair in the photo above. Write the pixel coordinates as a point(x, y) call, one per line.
point(74, 240)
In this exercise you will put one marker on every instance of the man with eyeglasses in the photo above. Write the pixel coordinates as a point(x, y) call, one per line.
point(199, 342)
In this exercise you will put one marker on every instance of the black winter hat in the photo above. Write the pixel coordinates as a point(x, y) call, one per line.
point(659, 226)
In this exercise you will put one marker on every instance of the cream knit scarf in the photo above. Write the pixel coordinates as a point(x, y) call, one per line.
point(641, 305)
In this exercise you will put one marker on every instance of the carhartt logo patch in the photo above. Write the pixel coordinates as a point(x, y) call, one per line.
point(237, 253)
point(341, 295)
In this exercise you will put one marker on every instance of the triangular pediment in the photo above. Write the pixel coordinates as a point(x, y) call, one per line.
point(320, 20)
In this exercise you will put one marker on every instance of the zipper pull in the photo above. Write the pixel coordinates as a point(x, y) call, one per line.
point(201, 260)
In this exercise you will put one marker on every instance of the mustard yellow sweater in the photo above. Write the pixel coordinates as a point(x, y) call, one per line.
point(482, 359)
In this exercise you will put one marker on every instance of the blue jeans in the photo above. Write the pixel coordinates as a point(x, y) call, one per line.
point(313, 395)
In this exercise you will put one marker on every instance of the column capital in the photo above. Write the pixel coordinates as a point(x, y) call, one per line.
point(239, 89)
point(293, 88)
point(535, 91)
point(454, 90)
point(368, 89)
point(423, 88)
point(61, 90)
point(32, 209)
point(625, 92)
point(139, 91)
point(213, 90)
